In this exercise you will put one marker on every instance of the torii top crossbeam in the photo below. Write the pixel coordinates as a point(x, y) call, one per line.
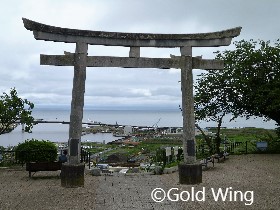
point(51, 33)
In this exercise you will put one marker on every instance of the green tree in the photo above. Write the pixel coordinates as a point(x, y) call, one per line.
point(252, 79)
point(207, 138)
point(211, 103)
point(13, 109)
point(248, 85)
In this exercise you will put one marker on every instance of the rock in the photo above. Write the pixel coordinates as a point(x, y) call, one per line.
point(95, 172)
point(158, 170)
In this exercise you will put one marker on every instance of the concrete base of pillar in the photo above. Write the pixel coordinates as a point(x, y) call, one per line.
point(190, 173)
point(72, 175)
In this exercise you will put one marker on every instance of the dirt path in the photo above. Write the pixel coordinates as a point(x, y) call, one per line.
point(255, 177)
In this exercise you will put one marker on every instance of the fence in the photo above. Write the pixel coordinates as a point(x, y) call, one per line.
point(8, 157)
point(229, 147)
point(236, 147)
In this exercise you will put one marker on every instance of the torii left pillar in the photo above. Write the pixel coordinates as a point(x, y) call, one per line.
point(72, 172)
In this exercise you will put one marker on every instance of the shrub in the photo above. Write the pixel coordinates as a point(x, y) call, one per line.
point(274, 147)
point(34, 150)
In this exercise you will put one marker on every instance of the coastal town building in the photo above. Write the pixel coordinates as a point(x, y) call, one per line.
point(128, 130)
point(179, 130)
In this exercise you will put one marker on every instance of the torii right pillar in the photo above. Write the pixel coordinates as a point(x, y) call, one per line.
point(190, 172)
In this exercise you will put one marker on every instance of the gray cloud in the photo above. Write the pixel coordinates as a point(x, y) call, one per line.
point(19, 55)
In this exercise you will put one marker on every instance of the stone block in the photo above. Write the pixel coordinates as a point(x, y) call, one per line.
point(190, 173)
point(72, 175)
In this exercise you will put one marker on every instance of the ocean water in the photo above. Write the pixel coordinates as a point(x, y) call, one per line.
point(162, 118)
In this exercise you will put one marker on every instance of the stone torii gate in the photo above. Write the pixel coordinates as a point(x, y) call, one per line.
point(73, 172)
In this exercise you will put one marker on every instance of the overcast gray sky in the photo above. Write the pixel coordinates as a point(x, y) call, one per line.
point(52, 85)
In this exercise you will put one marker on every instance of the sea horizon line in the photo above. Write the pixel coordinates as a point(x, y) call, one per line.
point(108, 108)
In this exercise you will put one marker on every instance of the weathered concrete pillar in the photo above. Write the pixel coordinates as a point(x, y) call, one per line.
point(77, 104)
point(72, 173)
point(189, 172)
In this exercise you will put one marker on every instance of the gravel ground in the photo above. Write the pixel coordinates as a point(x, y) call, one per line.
point(254, 178)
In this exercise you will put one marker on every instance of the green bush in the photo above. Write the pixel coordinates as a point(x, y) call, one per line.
point(274, 147)
point(34, 150)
